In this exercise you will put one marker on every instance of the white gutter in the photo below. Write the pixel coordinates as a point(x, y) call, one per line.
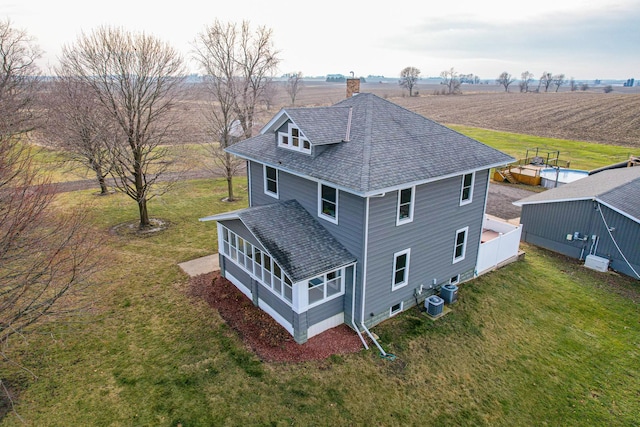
point(369, 192)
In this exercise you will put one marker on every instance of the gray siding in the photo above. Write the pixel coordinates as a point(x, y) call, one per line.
point(430, 236)
point(547, 225)
point(237, 272)
point(351, 217)
point(627, 236)
point(276, 303)
point(258, 196)
point(324, 311)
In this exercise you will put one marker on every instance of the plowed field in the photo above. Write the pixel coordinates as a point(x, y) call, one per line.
point(595, 116)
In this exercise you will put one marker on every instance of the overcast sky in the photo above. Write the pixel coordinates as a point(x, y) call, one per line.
point(582, 39)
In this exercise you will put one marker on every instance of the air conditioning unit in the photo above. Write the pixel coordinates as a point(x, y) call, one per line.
point(434, 305)
point(449, 293)
point(596, 263)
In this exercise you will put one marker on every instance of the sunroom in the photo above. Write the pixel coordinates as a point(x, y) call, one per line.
point(281, 258)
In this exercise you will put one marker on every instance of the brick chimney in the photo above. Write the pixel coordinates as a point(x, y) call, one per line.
point(353, 87)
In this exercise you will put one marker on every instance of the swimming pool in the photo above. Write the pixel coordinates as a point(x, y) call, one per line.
point(548, 176)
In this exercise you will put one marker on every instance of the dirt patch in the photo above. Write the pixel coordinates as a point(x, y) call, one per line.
point(263, 335)
point(132, 228)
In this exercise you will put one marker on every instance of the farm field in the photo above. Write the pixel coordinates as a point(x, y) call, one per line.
point(591, 115)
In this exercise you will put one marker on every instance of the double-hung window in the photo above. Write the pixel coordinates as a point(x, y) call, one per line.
point(271, 181)
point(466, 192)
point(400, 269)
point(328, 203)
point(405, 205)
point(460, 246)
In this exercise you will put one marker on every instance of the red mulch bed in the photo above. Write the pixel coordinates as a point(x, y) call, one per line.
point(270, 341)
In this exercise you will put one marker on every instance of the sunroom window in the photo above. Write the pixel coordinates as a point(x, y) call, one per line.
point(326, 286)
point(259, 264)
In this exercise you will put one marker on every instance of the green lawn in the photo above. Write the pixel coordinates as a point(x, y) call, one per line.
point(542, 341)
point(583, 155)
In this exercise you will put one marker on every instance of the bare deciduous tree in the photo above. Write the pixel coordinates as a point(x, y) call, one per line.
point(573, 84)
point(451, 81)
point(238, 67)
point(545, 81)
point(136, 78)
point(43, 254)
point(293, 85)
point(558, 80)
point(525, 81)
point(79, 125)
point(409, 78)
point(505, 80)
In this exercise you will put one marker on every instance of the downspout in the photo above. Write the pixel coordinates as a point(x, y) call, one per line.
point(353, 310)
point(364, 283)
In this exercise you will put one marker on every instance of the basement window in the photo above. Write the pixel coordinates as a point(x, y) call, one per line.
point(395, 309)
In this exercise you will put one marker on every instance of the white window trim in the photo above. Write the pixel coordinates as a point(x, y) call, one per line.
point(241, 263)
point(275, 195)
point(320, 214)
point(454, 279)
point(408, 219)
point(394, 313)
point(473, 181)
point(289, 145)
point(324, 300)
point(464, 245)
point(395, 286)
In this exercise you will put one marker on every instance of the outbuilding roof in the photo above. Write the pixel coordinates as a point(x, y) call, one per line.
point(297, 242)
point(617, 188)
point(371, 145)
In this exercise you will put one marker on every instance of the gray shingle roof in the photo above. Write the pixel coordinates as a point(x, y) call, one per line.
point(295, 240)
point(322, 125)
point(389, 146)
point(618, 188)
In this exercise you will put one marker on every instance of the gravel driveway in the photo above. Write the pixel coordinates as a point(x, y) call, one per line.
point(501, 197)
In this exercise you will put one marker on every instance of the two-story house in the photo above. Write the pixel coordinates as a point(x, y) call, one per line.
point(357, 211)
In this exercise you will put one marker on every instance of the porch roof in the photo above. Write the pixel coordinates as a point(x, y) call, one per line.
point(296, 240)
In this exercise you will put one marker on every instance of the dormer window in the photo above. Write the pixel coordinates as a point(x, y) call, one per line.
point(294, 140)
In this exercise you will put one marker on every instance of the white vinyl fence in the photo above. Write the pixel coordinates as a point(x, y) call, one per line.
point(495, 251)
